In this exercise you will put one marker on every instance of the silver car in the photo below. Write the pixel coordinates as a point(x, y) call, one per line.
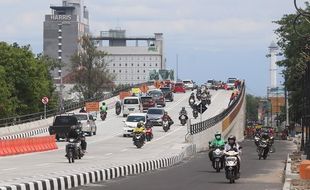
point(155, 115)
point(87, 122)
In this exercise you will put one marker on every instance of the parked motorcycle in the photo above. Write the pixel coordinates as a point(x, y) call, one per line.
point(183, 119)
point(138, 139)
point(166, 125)
point(231, 165)
point(103, 115)
point(74, 150)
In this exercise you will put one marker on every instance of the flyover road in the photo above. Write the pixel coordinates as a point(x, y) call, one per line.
point(108, 148)
point(197, 174)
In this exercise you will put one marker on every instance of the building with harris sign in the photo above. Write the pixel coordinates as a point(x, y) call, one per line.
point(62, 31)
point(131, 59)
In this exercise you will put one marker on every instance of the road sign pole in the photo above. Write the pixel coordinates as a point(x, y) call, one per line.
point(44, 111)
point(200, 112)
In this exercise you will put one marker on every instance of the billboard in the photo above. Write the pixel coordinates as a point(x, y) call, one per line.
point(161, 74)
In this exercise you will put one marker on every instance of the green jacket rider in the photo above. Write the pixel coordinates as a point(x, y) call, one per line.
point(103, 108)
point(217, 142)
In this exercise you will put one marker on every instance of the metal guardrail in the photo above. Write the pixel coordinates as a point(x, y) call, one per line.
point(201, 126)
point(15, 120)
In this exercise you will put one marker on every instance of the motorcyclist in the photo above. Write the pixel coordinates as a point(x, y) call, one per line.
point(82, 110)
point(233, 145)
point(217, 142)
point(168, 118)
point(103, 108)
point(191, 99)
point(183, 111)
point(140, 129)
point(78, 136)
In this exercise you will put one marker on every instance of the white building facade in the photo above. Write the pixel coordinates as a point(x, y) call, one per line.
point(132, 64)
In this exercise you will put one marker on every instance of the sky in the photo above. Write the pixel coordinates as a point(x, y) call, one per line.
point(214, 39)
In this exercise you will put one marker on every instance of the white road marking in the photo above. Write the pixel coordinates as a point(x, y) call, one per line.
point(9, 169)
point(45, 164)
point(108, 154)
point(124, 150)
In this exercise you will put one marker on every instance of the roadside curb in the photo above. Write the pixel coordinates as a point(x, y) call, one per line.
point(25, 134)
point(71, 181)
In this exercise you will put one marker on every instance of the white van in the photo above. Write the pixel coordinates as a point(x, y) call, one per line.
point(131, 104)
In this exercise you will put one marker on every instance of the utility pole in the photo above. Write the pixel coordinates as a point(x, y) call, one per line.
point(177, 69)
point(61, 106)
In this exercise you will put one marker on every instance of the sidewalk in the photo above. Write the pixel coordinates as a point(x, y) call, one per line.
point(292, 178)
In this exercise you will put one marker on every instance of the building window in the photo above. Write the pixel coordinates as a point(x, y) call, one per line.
point(120, 65)
point(120, 71)
point(132, 64)
point(144, 64)
point(156, 64)
point(113, 64)
point(138, 71)
point(120, 58)
point(150, 58)
point(138, 65)
point(138, 78)
point(144, 71)
point(126, 64)
point(113, 71)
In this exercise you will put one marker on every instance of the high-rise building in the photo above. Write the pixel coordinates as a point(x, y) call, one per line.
point(131, 58)
point(63, 29)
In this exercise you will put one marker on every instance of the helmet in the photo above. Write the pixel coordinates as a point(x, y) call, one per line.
point(218, 135)
point(103, 103)
point(140, 124)
point(231, 139)
point(165, 113)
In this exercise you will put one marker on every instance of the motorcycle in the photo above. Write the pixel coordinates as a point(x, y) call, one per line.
point(166, 125)
point(183, 119)
point(138, 139)
point(149, 134)
point(263, 149)
point(74, 150)
point(231, 165)
point(191, 102)
point(103, 115)
point(256, 140)
point(217, 162)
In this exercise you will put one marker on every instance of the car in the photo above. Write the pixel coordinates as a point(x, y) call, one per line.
point(131, 122)
point(167, 93)
point(154, 115)
point(209, 83)
point(147, 102)
point(94, 114)
point(62, 124)
point(230, 84)
point(131, 104)
point(189, 84)
point(88, 123)
point(158, 96)
point(179, 87)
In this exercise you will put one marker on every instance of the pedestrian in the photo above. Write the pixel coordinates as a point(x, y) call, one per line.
point(232, 98)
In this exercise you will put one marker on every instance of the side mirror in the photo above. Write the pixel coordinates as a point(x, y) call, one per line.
point(240, 147)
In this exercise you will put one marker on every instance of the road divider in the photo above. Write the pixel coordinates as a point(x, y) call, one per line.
point(27, 145)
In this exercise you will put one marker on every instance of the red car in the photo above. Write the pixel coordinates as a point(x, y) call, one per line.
point(147, 102)
point(179, 87)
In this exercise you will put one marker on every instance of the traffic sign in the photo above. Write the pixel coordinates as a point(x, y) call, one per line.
point(201, 108)
point(144, 88)
point(45, 100)
point(92, 106)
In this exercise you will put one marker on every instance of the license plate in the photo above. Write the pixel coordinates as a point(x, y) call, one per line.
point(131, 109)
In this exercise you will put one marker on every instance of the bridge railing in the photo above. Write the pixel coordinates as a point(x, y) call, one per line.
point(201, 126)
point(19, 119)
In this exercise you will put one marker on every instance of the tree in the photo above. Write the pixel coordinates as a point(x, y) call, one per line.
point(91, 76)
point(24, 80)
point(252, 107)
point(296, 56)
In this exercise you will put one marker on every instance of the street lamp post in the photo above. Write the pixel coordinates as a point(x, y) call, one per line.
point(61, 104)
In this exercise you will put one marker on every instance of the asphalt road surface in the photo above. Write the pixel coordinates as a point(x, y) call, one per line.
point(197, 174)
